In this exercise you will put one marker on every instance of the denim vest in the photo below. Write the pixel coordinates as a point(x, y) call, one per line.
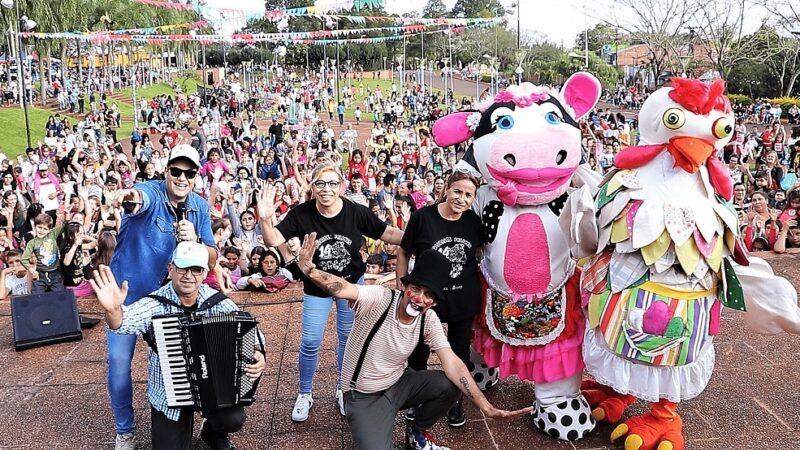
point(147, 239)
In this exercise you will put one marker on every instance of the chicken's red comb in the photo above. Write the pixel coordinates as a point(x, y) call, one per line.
point(699, 97)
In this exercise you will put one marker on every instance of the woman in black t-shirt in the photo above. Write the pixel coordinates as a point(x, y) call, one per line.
point(340, 225)
point(454, 230)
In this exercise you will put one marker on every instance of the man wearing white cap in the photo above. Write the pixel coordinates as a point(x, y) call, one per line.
point(171, 428)
point(158, 215)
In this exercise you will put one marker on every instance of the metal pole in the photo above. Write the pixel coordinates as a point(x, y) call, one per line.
point(450, 40)
point(205, 78)
point(422, 62)
point(519, 28)
point(336, 72)
point(135, 103)
point(403, 67)
point(24, 94)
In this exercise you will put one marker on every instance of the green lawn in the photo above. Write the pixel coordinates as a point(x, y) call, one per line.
point(189, 86)
point(12, 131)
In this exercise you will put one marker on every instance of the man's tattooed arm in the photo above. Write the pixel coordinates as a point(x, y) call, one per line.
point(465, 384)
point(330, 284)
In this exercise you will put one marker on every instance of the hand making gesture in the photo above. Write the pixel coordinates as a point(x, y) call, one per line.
point(110, 295)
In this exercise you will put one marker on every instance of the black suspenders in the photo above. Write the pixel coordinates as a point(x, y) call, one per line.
point(395, 299)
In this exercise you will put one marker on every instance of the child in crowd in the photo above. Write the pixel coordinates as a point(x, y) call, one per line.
point(15, 279)
point(44, 248)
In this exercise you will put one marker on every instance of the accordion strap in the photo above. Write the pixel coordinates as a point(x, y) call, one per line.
point(395, 299)
point(208, 304)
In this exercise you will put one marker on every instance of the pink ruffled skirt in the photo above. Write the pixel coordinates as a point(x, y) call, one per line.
point(556, 360)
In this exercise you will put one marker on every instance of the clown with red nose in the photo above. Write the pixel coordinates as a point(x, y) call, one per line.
point(665, 256)
point(526, 146)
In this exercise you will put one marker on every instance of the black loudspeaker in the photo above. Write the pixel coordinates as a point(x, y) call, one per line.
point(44, 319)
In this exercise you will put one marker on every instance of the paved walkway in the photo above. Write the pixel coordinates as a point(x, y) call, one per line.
point(55, 397)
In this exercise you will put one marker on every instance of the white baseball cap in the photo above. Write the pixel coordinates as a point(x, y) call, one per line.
point(185, 151)
point(190, 254)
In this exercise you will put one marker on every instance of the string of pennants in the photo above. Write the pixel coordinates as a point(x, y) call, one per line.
point(304, 37)
point(153, 30)
point(313, 11)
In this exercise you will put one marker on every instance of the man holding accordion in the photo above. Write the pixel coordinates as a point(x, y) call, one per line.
point(185, 300)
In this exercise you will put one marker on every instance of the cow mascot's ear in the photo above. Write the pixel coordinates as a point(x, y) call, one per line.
point(581, 92)
point(454, 129)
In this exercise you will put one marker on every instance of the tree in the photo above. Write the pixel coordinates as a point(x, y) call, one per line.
point(477, 8)
point(599, 35)
point(720, 32)
point(658, 24)
point(434, 9)
point(788, 14)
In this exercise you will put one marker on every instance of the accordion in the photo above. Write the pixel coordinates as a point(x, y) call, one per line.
point(202, 358)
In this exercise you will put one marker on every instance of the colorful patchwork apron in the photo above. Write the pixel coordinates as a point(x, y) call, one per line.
point(655, 324)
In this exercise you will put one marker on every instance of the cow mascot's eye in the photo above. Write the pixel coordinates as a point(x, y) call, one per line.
point(552, 118)
point(505, 122)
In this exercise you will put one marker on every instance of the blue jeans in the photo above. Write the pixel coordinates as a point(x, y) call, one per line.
point(120, 385)
point(315, 316)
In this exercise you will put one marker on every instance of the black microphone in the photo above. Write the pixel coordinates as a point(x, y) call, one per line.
point(180, 214)
point(180, 211)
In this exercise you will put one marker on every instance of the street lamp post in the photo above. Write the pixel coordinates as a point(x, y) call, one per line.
point(27, 25)
point(205, 79)
point(519, 72)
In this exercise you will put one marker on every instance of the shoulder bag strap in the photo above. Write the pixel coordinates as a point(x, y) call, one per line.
point(357, 370)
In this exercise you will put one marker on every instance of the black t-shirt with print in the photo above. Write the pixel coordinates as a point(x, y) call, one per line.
point(458, 240)
point(338, 238)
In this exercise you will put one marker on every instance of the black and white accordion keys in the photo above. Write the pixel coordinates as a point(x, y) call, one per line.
point(202, 358)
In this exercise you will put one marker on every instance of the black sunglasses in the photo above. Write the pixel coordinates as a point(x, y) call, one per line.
point(177, 172)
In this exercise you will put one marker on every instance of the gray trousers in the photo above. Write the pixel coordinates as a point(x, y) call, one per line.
point(372, 416)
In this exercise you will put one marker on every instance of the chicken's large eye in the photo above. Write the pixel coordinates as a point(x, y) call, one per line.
point(722, 128)
point(674, 118)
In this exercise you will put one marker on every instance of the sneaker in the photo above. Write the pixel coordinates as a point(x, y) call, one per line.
point(456, 417)
point(340, 400)
point(125, 441)
point(411, 414)
point(213, 440)
point(421, 440)
point(302, 405)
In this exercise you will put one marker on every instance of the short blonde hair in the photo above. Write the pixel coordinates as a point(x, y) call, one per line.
point(326, 167)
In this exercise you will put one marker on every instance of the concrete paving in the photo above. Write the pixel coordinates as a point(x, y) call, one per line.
point(55, 397)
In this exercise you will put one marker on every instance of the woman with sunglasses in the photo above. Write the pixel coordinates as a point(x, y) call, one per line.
point(454, 230)
point(340, 226)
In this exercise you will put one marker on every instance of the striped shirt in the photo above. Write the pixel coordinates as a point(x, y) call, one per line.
point(391, 345)
point(137, 318)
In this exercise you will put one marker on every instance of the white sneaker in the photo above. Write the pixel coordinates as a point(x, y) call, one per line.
point(340, 400)
point(125, 441)
point(302, 405)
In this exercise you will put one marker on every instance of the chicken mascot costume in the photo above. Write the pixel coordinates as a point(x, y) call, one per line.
point(665, 257)
point(527, 147)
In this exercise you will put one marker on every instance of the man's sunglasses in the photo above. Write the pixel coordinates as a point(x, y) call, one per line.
point(177, 172)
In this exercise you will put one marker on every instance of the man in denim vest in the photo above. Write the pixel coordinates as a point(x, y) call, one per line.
point(149, 234)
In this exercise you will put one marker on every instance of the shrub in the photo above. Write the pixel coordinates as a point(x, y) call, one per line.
point(784, 102)
point(741, 99)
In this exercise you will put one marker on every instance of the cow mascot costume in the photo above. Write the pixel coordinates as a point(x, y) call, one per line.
point(666, 255)
point(527, 148)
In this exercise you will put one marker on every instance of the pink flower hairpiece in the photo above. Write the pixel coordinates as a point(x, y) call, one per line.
point(537, 95)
